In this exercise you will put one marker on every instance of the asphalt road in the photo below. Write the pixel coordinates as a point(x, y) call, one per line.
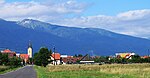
point(25, 72)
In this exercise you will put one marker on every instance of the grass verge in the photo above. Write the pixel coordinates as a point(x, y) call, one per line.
point(5, 69)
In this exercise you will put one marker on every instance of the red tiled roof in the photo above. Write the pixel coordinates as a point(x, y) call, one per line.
point(56, 56)
point(7, 51)
point(71, 59)
point(24, 56)
point(145, 57)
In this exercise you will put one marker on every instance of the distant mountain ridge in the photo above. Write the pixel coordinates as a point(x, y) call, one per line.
point(68, 40)
point(62, 31)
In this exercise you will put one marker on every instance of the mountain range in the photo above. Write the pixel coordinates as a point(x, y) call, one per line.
point(16, 35)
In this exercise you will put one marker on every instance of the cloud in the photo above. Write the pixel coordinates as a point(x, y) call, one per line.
point(2, 1)
point(134, 15)
point(37, 10)
point(135, 23)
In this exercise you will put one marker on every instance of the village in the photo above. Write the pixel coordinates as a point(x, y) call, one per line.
point(59, 59)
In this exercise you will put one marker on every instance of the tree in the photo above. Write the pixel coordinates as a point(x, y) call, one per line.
point(50, 51)
point(42, 57)
point(80, 55)
point(135, 59)
point(101, 59)
point(30, 60)
point(1, 57)
point(14, 62)
point(5, 59)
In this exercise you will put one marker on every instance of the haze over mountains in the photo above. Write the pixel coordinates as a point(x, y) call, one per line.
point(67, 40)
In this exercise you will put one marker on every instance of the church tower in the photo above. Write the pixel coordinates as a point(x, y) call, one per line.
point(30, 50)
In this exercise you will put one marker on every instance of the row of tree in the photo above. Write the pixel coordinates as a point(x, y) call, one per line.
point(134, 59)
point(42, 58)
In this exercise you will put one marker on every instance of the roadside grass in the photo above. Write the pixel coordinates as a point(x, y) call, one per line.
point(5, 69)
point(95, 71)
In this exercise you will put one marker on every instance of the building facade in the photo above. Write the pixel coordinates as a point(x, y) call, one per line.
point(55, 57)
point(125, 55)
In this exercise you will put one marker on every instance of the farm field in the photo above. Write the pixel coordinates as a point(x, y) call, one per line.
point(95, 71)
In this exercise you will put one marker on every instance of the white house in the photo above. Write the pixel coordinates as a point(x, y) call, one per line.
point(55, 57)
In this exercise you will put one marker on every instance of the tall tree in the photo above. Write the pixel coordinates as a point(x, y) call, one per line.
point(42, 57)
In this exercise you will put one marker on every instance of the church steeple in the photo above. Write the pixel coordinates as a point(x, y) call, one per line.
point(30, 49)
point(30, 44)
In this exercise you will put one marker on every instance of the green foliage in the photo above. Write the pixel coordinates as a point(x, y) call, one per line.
point(42, 57)
point(5, 59)
point(14, 62)
point(1, 57)
point(101, 59)
point(80, 55)
point(30, 60)
point(134, 59)
point(50, 51)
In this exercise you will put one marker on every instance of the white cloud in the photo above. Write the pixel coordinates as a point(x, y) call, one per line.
point(134, 15)
point(135, 23)
point(38, 10)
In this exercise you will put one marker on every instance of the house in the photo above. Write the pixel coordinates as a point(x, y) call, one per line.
point(24, 57)
point(64, 56)
point(18, 54)
point(144, 57)
point(70, 60)
point(55, 57)
point(9, 52)
point(125, 55)
point(87, 59)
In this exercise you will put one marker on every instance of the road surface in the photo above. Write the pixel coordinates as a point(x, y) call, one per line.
point(25, 72)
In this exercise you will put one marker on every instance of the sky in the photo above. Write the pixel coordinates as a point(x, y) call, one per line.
point(130, 17)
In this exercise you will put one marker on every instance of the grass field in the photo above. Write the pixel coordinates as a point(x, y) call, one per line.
point(95, 71)
point(4, 69)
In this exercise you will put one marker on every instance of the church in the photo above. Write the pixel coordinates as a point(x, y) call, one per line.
point(25, 57)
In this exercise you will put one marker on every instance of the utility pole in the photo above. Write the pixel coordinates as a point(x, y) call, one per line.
point(54, 54)
point(148, 56)
point(148, 52)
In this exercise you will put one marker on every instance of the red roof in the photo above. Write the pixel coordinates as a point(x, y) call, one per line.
point(145, 57)
point(71, 59)
point(7, 51)
point(56, 56)
point(24, 56)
